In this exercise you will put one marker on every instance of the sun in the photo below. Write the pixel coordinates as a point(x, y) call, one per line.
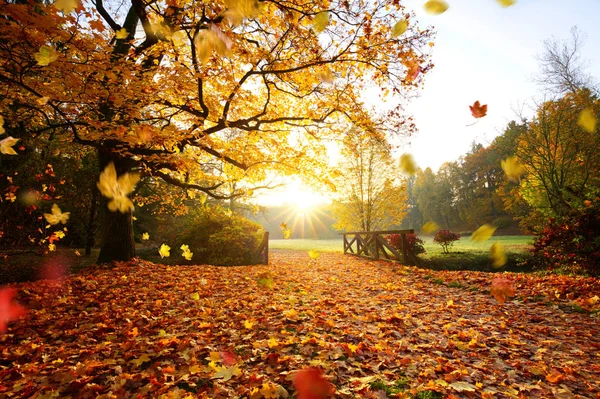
point(301, 198)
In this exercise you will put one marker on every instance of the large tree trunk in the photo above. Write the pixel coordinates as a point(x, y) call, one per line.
point(117, 228)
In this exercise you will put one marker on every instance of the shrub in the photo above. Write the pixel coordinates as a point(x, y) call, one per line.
point(217, 237)
point(446, 239)
point(414, 243)
point(571, 243)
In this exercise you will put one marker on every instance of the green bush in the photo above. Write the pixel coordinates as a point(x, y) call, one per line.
point(218, 237)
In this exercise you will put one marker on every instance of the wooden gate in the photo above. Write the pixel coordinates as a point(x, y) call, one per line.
point(374, 245)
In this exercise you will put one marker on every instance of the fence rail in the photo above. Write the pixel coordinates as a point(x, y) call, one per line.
point(374, 245)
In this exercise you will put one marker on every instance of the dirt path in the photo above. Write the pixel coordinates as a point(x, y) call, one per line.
point(371, 327)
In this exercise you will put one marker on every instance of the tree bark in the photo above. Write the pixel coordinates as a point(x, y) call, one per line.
point(117, 234)
point(89, 242)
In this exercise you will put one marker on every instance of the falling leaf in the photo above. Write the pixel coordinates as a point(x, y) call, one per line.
point(211, 40)
point(413, 69)
point(239, 10)
point(145, 236)
point(310, 384)
point(497, 255)
point(9, 310)
point(483, 233)
point(430, 227)
point(477, 110)
point(399, 28)
point(195, 296)
point(512, 168)
point(6, 145)
point(326, 76)
point(436, 7)
point(77, 253)
point(502, 289)
point(46, 55)
point(187, 254)
point(587, 120)
point(164, 251)
point(59, 234)
point(117, 190)
point(51, 247)
point(57, 216)
point(320, 21)
point(313, 254)
point(66, 6)
point(121, 34)
point(407, 164)
point(506, 3)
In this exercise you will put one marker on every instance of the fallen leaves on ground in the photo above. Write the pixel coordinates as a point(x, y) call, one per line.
point(356, 324)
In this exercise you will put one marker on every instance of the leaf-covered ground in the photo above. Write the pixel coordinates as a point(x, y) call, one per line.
point(375, 329)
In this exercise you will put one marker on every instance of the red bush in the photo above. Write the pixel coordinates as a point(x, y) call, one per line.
point(413, 242)
point(446, 239)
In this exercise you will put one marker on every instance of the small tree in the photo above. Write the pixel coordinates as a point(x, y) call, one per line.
point(446, 239)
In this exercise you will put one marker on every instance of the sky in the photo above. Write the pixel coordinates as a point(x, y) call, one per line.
point(482, 52)
point(488, 53)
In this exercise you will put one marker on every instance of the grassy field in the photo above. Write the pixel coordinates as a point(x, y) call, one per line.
point(464, 255)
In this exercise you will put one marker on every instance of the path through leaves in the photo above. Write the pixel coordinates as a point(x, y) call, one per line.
point(151, 330)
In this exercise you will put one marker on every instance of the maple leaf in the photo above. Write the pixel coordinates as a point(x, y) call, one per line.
point(187, 254)
point(140, 360)
point(413, 69)
point(66, 6)
point(163, 251)
point(399, 28)
point(477, 110)
point(310, 384)
point(313, 254)
point(121, 34)
point(512, 168)
point(248, 324)
point(117, 190)
point(497, 255)
point(407, 164)
point(228, 358)
point(239, 10)
point(46, 55)
point(57, 216)
point(6, 145)
point(430, 227)
point(502, 289)
point(483, 233)
point(587, 120)
point(9, 310)
point(227, 373)
point(145, 236)
point(506, 3)
point(320, 21)
point(51, 247)
point(195, 296)
point(436, 7)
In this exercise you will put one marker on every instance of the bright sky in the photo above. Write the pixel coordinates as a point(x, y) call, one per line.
point(482, 52)
point(486, 52)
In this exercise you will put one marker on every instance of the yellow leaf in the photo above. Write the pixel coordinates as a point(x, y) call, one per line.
point(430, 227)
point(239, 10)
point(209, 40)
point(587, 120)
point(483, 233)
point(269, 391)
point(326, 76)
point(512, 168)
point(77, 253)
point(46, 55)
point(320, 21)
point(51, 247)
point(187, 254)
point(248, 324)
point(56, 216)
point(59, 234)
point(461, 386)
point(66, 6)
point(145, 236)
point(142, 359)
point(122, 34)
point(399, 28)
point(436, 6)
point(450, 303)
point(1, 124)
point(179, 38)
point(42, 100)
point(272, 342)
point(497, 255)
point(407, 164)
point(195, 296)
point(117, 190)
point(228, 373)
point(313, 254)
point(6, 145)
point(164, 251)
point(506, 3)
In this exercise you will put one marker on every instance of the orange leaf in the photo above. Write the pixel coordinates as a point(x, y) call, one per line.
point(555, 377)
point(477, 110)
point(502, 289)
point(311, 384)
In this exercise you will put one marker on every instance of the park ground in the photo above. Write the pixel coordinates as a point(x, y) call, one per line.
point(374, 329)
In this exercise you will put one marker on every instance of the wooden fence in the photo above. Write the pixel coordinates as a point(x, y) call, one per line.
point(374, 245)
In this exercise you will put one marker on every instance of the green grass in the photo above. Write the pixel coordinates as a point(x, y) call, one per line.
point(464, 254)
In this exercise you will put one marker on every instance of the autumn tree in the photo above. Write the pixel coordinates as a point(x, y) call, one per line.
point(372, 194)
point(163, 90)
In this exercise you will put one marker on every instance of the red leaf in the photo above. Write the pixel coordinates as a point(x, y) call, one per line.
point(311, 384)
point(9, 310)
point(477, 110)
point(228, 358)
point(502, 289)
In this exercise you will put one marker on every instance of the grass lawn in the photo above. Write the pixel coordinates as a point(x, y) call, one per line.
point(464, 254)
point(148, 330)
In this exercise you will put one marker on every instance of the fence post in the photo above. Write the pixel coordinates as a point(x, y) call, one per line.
point(404, 249)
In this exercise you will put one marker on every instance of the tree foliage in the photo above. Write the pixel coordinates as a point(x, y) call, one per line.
point(200, 94)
